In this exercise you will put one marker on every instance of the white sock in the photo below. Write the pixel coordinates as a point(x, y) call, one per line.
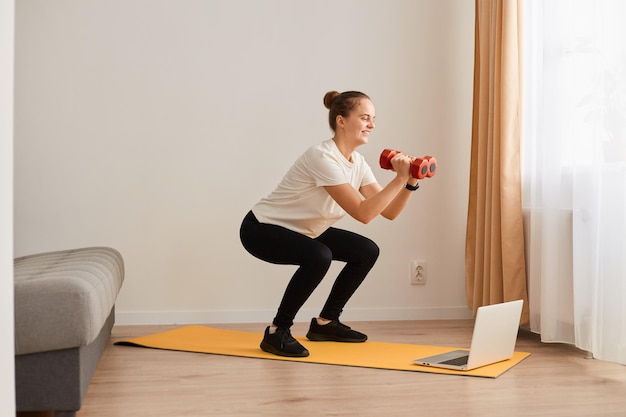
point(272, 329)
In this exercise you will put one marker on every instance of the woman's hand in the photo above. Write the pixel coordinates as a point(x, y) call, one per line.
point(401, 164)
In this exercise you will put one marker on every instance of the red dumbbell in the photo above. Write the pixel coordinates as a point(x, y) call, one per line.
point(420, 167)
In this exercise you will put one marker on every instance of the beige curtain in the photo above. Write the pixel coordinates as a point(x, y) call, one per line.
point(494, 251)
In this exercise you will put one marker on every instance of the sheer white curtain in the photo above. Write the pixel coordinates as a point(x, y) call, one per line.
point(574, 184)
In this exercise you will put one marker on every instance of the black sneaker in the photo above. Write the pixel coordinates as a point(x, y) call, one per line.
point(334, 331)
point(281, 343)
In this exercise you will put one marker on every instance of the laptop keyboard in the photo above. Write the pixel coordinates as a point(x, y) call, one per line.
point(461, 360)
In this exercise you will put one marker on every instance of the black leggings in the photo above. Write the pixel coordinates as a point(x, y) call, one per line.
point(279, 245)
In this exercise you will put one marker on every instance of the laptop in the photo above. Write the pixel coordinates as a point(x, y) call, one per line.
point(493, 340)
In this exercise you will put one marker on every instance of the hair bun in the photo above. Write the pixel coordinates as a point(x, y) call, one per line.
point(329, 98)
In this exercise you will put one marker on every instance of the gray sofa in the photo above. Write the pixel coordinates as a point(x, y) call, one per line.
point(64, 313)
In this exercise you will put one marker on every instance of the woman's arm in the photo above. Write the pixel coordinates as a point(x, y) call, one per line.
point(395, 207)
point(388, 201)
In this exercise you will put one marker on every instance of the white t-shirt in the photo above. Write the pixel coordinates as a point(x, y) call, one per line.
point(300, 202)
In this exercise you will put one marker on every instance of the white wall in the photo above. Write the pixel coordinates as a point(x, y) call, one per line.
point(7, 368)
point(154, 126)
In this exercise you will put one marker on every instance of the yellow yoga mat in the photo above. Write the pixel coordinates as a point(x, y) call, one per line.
point(394, 356)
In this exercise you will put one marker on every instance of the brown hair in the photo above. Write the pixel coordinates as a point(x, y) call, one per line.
point(341, 104)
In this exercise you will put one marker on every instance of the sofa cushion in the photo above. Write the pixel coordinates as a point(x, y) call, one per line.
point(63, 298)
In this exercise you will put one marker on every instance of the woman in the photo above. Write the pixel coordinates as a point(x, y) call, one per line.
point(292, 226)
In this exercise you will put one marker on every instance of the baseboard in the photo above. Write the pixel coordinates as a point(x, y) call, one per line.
point(264, 316)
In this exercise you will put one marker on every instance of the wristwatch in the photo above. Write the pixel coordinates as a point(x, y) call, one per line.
point(412, 187)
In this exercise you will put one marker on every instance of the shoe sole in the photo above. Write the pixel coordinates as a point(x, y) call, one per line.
point(271, 349)
point(317, 337)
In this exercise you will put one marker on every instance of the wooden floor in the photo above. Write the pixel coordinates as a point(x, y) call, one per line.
point(556, 380)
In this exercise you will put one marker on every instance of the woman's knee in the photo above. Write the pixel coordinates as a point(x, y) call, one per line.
point(371, 251)
point(319, 255)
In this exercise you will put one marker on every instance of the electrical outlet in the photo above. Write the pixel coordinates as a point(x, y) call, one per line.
point(418, 272)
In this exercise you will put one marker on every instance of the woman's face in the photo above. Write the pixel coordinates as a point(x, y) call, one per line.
point(359, 123)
